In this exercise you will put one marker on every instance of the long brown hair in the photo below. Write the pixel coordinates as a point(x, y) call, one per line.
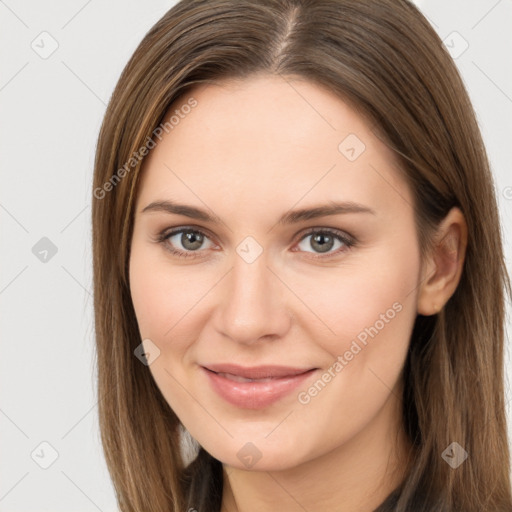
point(384, 58)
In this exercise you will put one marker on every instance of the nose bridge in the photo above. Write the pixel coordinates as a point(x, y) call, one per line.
point(252, 305)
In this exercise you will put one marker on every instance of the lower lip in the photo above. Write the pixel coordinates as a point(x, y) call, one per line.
point(255, 395)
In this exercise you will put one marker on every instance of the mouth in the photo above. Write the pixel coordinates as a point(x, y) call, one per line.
point(256, 372)
point(255, 387)
point(238, 378)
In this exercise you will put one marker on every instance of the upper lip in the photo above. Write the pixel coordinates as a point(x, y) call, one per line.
point(257, 372)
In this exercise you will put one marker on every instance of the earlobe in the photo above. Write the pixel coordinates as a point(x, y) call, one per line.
point(442, 268)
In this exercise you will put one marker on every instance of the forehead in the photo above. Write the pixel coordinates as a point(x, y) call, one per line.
point(250, 144)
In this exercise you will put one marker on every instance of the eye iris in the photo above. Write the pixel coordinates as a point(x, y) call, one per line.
point(196, 239)
point(323, 242)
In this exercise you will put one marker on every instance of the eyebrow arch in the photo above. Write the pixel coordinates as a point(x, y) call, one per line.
point(290, 217)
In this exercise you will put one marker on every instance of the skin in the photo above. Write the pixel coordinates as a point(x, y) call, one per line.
point(249, 152)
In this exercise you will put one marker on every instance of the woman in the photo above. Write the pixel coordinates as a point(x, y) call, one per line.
point(298, 267)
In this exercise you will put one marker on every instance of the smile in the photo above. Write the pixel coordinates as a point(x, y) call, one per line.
point(256, 389)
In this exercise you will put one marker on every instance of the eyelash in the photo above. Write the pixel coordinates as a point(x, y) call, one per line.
point(347, 241)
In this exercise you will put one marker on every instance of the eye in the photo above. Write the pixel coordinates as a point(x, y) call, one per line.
point(323, 240)
point(187, 242)
point(184, 242)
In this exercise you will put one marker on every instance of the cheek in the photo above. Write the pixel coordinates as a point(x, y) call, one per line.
point(383, 281)
point(369, 308)
point(372, 317)
point(162, 295)
point(167, 304)
point(148, 296)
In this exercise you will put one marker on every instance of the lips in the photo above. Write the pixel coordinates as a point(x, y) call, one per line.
point(256, 372)
point(254, 387)
point(238, 378)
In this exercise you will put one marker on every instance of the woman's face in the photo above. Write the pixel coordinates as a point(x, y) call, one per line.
point(297, 248)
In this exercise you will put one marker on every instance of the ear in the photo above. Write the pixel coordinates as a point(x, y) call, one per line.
point(442, 267)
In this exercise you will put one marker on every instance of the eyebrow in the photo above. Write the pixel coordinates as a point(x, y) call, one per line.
point(290, 217)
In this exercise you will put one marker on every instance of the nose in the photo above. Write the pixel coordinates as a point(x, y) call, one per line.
point(253, 303)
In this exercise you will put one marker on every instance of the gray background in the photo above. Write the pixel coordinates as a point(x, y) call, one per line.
point(51, 107)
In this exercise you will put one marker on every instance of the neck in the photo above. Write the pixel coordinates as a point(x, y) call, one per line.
point(354, 477)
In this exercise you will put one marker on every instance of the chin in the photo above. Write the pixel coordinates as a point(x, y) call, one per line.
point(254, 456)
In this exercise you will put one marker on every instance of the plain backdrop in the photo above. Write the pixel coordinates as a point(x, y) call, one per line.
point(59, 62)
